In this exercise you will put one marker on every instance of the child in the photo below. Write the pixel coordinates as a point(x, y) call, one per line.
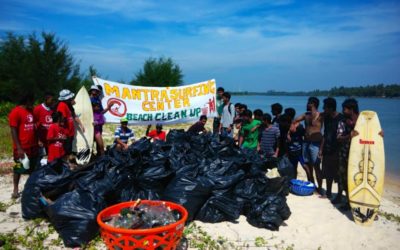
point(98, 122)
point(269, 140)
point(249, 131)
point(56, 137)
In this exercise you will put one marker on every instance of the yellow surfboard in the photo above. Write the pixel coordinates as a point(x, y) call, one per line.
point(366, 169)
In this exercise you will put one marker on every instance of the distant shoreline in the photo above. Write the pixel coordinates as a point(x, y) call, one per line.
point(305, 95)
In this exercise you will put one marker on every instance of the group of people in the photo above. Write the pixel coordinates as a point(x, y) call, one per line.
point(322, 145)
point(325, 137)
point(49, 129)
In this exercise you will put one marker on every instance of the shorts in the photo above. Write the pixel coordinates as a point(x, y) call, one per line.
point(68, 145)
point(224, 132)
point(330, 166)
point(216, 123)
point(310, 152)
point(98, 130)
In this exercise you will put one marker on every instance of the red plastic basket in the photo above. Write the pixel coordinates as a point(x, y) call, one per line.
point(165, 237)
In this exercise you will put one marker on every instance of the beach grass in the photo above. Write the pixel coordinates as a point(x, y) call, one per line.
point(140, 130)
point(5, 140)
point(108, 134)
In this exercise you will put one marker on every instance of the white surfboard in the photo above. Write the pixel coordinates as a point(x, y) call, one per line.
point(366, 169)
point(83, 141)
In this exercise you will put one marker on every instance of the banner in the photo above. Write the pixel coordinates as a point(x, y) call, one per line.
point(150, 105)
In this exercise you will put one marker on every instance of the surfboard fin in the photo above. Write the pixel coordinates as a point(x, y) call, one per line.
point(84, 154)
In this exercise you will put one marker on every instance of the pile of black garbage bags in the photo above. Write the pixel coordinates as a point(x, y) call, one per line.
point(209, 175)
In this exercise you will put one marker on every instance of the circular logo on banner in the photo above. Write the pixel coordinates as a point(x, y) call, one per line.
point(117, 107)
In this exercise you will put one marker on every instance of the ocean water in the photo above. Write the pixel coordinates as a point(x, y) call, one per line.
point(388, 112)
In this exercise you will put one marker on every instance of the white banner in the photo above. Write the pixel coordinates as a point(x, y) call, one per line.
point(150, 105)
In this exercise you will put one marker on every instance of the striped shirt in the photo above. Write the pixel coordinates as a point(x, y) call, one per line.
point(269, 140)
point(124, 136)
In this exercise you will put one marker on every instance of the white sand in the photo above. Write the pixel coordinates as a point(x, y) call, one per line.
point(314, 224)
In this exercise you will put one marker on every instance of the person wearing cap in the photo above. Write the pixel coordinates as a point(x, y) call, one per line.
point(156, 134)
point(123, 135)
point(65, 107)
point(95, 94)
point(25, 144)
point(98, 122)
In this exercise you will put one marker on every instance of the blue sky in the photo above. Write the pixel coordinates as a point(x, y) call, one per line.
point(245, 45)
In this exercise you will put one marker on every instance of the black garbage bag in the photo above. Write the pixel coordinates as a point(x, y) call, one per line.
point(251, 188)
point(277, 186)
point(53, 179)
point(143, 146)
point(200, 145)
point(73, 215)
point(177, 136)
point(190, 192)
point(285, 168)
point(269, 212)
point(219, 208)
point(218, 167)
point(127, 193)
point(226, 181)
point(152, 177)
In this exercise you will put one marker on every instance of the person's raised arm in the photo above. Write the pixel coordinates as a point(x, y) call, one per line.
point(148, 129)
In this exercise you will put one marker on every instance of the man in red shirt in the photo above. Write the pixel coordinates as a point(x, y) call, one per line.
point(24, 138)
point(66, 99)
point(156, 134)
point(42, 115)
point(56, 137)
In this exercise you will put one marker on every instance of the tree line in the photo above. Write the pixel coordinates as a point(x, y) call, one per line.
point(379, 90)
point(31, 63)
point(39, 64)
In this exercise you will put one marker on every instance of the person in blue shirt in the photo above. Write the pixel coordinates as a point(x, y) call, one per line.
point(123, 135)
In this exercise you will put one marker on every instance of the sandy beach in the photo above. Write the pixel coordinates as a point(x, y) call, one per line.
point(314, 224)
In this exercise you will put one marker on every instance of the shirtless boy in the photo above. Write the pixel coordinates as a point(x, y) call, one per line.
point(312, 141)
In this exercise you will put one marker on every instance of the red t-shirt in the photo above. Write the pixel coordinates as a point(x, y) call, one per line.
point(153, 134)
point(22, 119)
point(70, 128)
point(56, 148)
point(42, 115)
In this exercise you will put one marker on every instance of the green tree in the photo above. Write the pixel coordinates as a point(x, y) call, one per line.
point(159, 73)
point(29, 63)
point(87, 79)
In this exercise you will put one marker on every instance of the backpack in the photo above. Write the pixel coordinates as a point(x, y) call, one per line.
point(229, 109)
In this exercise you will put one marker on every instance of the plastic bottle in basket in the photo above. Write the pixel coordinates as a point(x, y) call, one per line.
point(155, 216)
